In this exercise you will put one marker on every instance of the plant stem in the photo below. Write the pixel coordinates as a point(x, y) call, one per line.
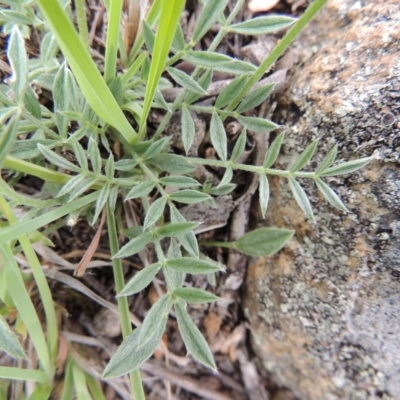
point(136, 380)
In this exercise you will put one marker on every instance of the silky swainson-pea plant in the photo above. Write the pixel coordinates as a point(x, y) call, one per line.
point(99, 113)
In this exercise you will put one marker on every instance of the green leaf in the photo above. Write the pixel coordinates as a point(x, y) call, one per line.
point(209, 15)
point(9, 341)
point(346, 167)
point(204, 81)
point(327, 161)
point(160, 101)
point(134, 245)
point(330, 195)
point(255, 98)
point(192, 337)
point(174, 278)
point(192, 265)
point(185, 81)
point(110, 170)
point(231, 91)
point(142, 189)
point(19, 63)
point(239, 146)
point(131, 354)
point(218, 62)
point(264, 194)
point(73, 184)
point(154, 212)
point(32, 103)
point(80, 155)
point(112, 199)
point(148, 36)
point(179, 181)
point(304, 157)
point(188, 240)
point(257, 124)
point(141, 280)
point(188, 196)
point(160, 308)
point(176, 229)
point(56, 159)
point(155, 148)
point(226, 179)
point(172, 163)
point(195, 296)
point(301, 198)
point(104, 194)
point(169, 19)
point(263, 241)
point(222, 190)
point(94, 156)
point(86, 73)
point(188, 129)
point(262, 25)
point(218, 136)
point(178, 43)
point(273, 151)
point(7, 138)
point(80, 188)
point(61, 98)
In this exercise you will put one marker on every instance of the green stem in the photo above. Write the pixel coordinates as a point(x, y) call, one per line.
point(279, 49)
point(136, 380)
point(134, 68)
point(226, 245)
point(23, 374)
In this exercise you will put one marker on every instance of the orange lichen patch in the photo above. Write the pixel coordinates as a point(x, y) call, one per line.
point(285, 263)
point(212, 323)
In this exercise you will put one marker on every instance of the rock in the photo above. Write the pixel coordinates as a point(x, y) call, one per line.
point(325, 312)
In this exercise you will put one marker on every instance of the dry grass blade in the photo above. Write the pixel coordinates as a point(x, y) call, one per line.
point(131, 22)
point(81, 267)
point(80, 287)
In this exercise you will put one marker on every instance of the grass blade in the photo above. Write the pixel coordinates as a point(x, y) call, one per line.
point(86, 73)
point(169, 18)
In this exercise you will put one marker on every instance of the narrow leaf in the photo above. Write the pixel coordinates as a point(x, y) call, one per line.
point(263, 241)
point(94, 156)
point(154, 212)
point(141, 280)
point(264, 194)
point(9, 341)
point(330, 195)
point(169, 18)
point(255, 98)
point(176, 229)
point(73, 184)
point(301, 198)
point(188, 129)
point(304, 157)
point(7, 138)
point(80, 155)
point(257, 124)
point(156, 313)
point(192, 337)
point(188, 240)
point(218, 136)
point(130, 355)
point(148, 36)
point(239, 146)
point(204, 81)
point(104, 194)
point(185, 81)
point(61, 98)
point(178, 43)
point(179, 181)
point(209, 15)
point(110, 170)
point(134, 245)
point(156, 148)
point(192, 265)
point(231, 91)
point(172, 163)
point(327, 161)
point(56, 159)
point(262, 25)
point(273, 151)
point(32, 103)
point(346, 167)
point(188, 196)
point(19, 63)
point(226, 179)
point(142, 189)
point(195, 296)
